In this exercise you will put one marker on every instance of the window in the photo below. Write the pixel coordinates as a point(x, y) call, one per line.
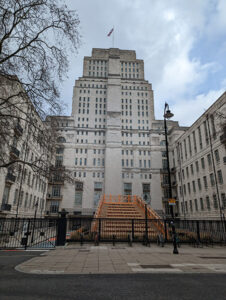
point(201, 204)
point(206, 132)
point(146, 192)
point(187, 172)
point(209, 159)
point(223, 200)
point(213, 126)
point(5, 197)
point(220, 177)
point(164, 164)
point(197, 166)
point(191, 207)
point(200, 137)
point(193, 185)
point(199, 184)
point(215, 203)
point(217, 157)
point(26, 200)
point(203, 163)
point(192, 170)
point(212, 179)
point(208, 202)
point(61, 139)
point(15, 197)
point(56, 191)
point(194, 141)
point(196, 205)
point(78, 193)
point(59, 151)
point(127, 188)
point(205, 182)
point(54, 206)
point(189, 144)
point(189, 188)
point(186, 206)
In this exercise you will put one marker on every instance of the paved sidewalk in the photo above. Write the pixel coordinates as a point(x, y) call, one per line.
point(119, 259)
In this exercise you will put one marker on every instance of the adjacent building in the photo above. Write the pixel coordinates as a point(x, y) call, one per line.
point(23, 187)
point(198, 161)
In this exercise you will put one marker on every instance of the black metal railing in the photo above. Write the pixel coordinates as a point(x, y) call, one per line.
point(48, 232)
point(192, 231)
point(27, 233)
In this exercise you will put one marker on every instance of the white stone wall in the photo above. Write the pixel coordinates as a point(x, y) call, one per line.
point(121, 108)
point(32, 187)
point(187, 159)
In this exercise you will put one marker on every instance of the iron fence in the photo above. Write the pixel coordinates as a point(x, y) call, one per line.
point(27, 233)
point(142, 230)
point(46, 233)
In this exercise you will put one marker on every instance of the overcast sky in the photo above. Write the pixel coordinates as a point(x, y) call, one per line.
point(182, 43)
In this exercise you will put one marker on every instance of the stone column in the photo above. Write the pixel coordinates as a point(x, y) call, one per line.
point(113, 166)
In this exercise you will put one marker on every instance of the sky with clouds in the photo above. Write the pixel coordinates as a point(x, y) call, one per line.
point(182, 43)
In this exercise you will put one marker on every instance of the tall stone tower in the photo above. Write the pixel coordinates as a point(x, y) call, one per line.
point(112, 113)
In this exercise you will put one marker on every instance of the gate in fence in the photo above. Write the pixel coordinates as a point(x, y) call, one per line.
point(28, 233)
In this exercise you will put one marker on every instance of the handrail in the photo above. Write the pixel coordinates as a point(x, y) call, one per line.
point(151, 214)
point(128, 199)
point(119, 199)
point(97, 213)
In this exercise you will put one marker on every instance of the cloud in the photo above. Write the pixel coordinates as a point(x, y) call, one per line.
point(188, 111)
point(166, 35)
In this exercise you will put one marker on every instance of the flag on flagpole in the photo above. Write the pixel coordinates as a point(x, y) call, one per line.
point(110, 32)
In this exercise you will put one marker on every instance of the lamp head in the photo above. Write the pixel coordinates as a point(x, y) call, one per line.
point(168, 114)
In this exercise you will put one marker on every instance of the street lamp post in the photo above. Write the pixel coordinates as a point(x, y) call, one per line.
point(168, 115)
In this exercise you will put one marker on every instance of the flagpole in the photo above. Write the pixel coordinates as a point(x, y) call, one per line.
point(113, 36)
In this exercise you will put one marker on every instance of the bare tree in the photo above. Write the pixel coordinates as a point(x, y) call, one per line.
point(36, 37)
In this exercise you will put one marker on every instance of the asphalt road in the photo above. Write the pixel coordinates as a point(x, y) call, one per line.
point(16, 285)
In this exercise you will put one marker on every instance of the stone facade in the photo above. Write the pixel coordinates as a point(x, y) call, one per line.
point(113, 144)
point(22, 190)
point(198, 160)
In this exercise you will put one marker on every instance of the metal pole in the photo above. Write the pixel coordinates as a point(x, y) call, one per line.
point(146, 224)
point(175, 250)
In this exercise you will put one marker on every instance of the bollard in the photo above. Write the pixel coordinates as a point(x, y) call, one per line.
point(130, 239)
point(81, 239)
point(96, 239)
point(114, 238)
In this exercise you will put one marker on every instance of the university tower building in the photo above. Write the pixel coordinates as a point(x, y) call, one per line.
point(111, 142)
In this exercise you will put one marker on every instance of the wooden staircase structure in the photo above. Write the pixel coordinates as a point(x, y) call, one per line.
point(125, 215)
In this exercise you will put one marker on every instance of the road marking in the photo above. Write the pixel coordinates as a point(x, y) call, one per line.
point(152, 270)
point(133, 264)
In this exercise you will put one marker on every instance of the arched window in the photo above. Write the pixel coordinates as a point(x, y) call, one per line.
point(61, 139)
